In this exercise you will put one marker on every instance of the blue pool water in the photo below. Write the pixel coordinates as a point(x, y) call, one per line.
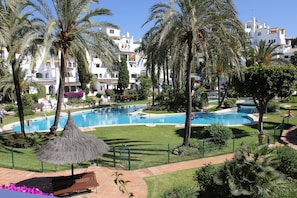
point(129, 115)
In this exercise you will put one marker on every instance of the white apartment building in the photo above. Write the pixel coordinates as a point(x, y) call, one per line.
point(258, 31)
point(47, 73)
point(135, 62)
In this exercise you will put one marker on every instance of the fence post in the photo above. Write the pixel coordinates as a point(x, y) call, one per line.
point(268, 140)
point(12, 158)
point(129, 158)
point(168, 154)
point(202, 147)
point(274, 136)
point(114, 157)
point(233, 147)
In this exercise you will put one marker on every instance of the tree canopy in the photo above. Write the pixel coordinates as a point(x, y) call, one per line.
point(263, 83)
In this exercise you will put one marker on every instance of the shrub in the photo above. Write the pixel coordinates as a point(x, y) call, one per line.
point(219, 133)
point(272, 106)
point(10, 108)
point(180, 192)
point(288, 161)
point(17, 140)
point(185, 151)
point(98, 95)
point(27, 100)
point(110, 92)
point(204, 176)
point(229, 103)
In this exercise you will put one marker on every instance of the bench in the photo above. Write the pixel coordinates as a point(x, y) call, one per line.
point(74, 183)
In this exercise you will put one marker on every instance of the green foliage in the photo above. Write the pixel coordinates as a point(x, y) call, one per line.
point(272, 106)
point(27, 100)
point(41, 92)
point(10, 108)
point(229, 103)
point(204, 176)
point(185, 151)
point(180, 192)
point(122, 184)
point(98, 95)
point(110, 92)
point(145, 85)
point(219, 133)
point(84, 75)
point(123, 81)
point(250, 173)
point(17, 140)
point(288, 161)
point(204, 99)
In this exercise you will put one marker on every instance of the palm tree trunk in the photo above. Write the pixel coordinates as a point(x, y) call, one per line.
point(60, 93)
point(221, 100)
point(18, 93)
point(187, 135)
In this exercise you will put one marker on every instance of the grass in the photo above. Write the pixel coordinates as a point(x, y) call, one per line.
point(157, 185)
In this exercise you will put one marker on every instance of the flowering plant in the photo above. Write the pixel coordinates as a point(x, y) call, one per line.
point(25, 189)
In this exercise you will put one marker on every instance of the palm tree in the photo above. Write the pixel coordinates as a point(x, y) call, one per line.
point(74, 30)
point(7, 85)
point(187, 25)
point(264, 54)
point(20, 35)
point(251, 173)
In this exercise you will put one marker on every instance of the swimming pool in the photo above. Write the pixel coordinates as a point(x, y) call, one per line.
point(131, 115)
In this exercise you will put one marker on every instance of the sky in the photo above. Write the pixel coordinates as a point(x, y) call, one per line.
point(130, 15)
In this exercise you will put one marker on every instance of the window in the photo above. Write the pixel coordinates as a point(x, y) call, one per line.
point(111, 31)
point(97, 65)
point(39, 75)
point(100, 75)
point(133, 75)
point(259, 33)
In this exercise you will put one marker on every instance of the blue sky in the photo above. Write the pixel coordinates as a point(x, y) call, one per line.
point(130, 15)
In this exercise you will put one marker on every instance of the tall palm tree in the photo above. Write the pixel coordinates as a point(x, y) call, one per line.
point(20, 34)
point(75, 30)
point(187, 25)
point(264, 54)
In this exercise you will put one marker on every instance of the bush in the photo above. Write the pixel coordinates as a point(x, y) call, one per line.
point(98, 95)
point(180, 192)
point(10, 108)
point(185, 151)
point(229, 103)
point(288, 161)
point(272, 106)
point(204, 176)
point(27, 100)
point(219, 133)
point(27, 111)
point(17, 140)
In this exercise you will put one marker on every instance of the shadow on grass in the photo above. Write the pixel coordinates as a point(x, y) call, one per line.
point(238, 133)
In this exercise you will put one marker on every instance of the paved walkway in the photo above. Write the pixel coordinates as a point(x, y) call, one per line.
point(105, 176)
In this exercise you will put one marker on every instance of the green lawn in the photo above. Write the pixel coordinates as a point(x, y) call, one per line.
point(157, 185)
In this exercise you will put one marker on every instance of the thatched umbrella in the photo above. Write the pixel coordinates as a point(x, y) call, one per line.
point(72, 147)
